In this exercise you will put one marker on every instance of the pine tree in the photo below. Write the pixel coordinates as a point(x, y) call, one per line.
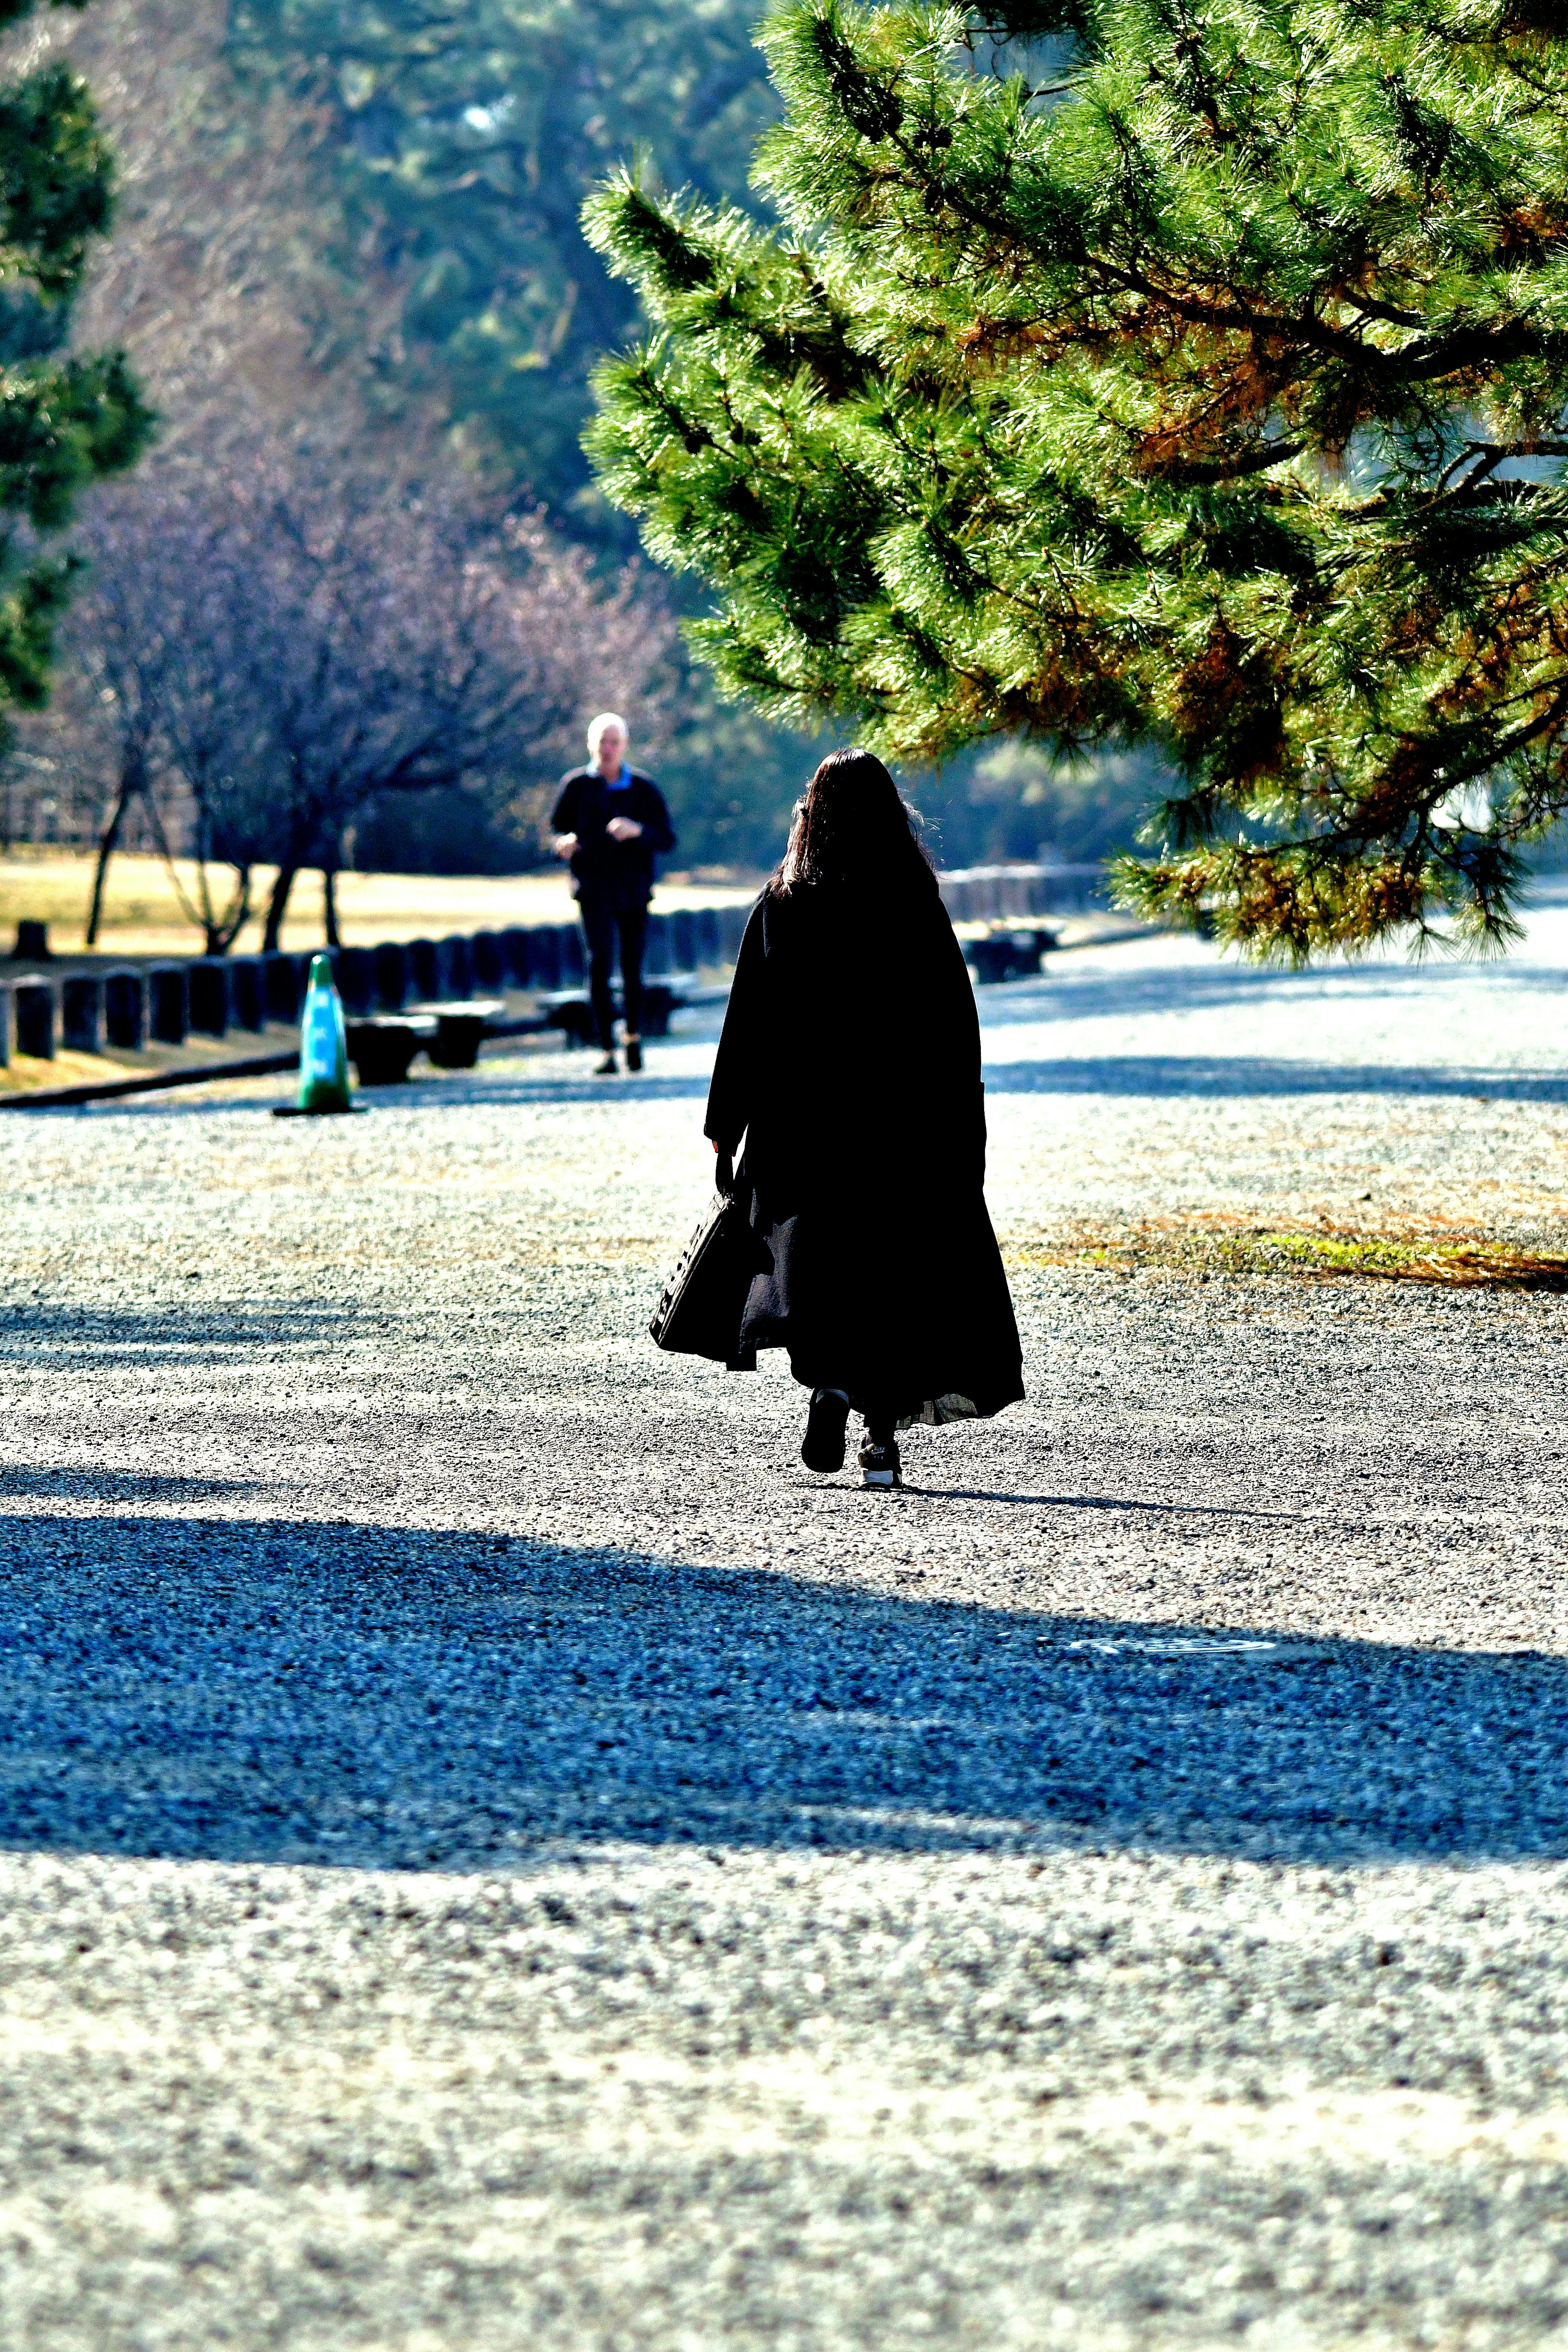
point(66, 420)
point(462, 137)
point(1124, 369)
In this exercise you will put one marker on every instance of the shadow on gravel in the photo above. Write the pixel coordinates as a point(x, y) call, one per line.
point(1241, 1076)
point(426, 1091)
point(119, 1485)
point(255, 1691)
point(51, 1337)
point(1101, 1503)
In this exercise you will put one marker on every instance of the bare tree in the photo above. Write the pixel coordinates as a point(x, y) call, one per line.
point(106, 715)
point(400, 646)
point(257, 654)
point(153, 696)
point(213, 733)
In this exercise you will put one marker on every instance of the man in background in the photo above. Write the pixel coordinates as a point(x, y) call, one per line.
point(610, 823)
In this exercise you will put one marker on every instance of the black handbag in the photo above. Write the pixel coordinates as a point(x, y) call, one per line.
point(705, 1297)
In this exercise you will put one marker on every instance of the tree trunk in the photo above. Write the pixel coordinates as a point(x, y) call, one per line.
point(276, 904)
point(129, 785)
point(233, 920)
point(203, 884)
point(330, 900)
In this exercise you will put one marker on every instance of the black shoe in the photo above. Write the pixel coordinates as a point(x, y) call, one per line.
point(633, 1052)
point(608, 1068)
point(881, 1467)
point(822, 1447)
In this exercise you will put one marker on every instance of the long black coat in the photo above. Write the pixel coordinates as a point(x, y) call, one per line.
point(850, 1061)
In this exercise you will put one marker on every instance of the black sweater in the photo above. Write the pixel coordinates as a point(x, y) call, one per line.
point(617, 874)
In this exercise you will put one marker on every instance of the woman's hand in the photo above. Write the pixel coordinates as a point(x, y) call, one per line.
point(565, 844)
point(623, 828)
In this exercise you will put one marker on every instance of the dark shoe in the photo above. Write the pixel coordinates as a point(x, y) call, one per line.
point(633, 1052)
point(822, 1447)
point(881, 1467)
point(608, 1068)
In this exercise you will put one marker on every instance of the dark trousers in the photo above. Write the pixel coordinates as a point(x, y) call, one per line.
point(600, 925)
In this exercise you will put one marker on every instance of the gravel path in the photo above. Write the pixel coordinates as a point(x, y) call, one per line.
point(493, 1854)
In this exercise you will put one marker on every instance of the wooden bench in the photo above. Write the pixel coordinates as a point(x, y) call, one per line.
point(382, 1046)
point(1008, 951)
point(459, 1029)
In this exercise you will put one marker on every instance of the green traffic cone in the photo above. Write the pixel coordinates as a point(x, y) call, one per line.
point(324, 1047)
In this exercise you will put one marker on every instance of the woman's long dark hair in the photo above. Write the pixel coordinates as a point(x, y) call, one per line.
point(851, 827)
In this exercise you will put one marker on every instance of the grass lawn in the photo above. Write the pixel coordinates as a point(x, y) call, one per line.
point(144, 917)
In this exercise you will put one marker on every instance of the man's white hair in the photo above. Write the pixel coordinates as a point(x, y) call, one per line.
point(597, 726)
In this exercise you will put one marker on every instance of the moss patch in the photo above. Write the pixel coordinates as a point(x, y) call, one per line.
point(1465, 1262)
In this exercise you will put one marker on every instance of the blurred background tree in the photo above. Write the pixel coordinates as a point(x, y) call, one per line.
point(1012, 801)
point(459, 139)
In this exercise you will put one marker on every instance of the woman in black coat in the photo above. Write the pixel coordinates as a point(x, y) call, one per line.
point(850, 1063)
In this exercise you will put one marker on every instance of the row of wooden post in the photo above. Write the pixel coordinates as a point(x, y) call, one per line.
point(161, 1003)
